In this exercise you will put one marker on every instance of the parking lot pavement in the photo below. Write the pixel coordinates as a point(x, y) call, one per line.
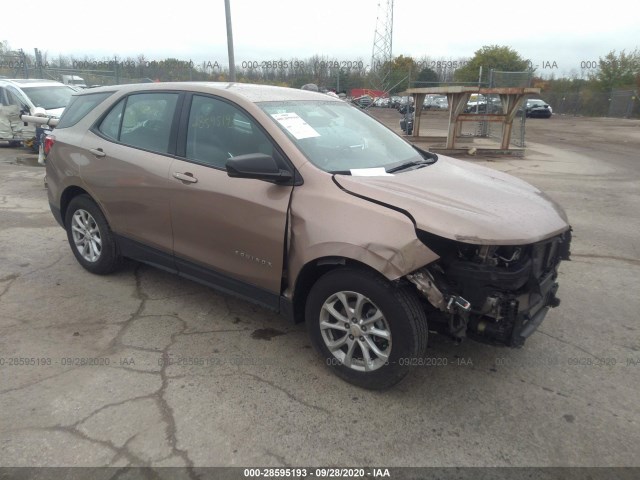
point(145, 368)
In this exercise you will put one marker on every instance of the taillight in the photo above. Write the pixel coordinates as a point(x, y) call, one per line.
point(49, 140)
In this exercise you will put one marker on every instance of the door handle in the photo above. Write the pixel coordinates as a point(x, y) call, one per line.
point(98, 152)
point(185, 177)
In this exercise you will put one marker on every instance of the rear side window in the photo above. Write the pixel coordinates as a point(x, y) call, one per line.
point(142, 120)
point(79, 107)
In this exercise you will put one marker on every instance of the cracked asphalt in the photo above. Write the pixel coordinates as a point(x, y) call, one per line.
point(142, 368)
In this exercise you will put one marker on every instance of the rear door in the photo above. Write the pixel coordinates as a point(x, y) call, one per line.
point(132, 149)
point(230, 231)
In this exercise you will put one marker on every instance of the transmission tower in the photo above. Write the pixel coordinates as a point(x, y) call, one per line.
point(382, 46)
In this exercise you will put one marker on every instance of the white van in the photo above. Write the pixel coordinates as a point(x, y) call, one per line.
point(74, 81)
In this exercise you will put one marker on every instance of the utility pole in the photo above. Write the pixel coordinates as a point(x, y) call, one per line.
point(232, 62)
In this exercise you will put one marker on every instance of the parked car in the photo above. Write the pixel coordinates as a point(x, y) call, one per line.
point(364, 101)
point(74, 81)
point(534, 107)
point(381, 102)
point(435, 102)
point(395, 101)
point(490, 105)
point(306, 205)
point(20, 95)
point(31, 93)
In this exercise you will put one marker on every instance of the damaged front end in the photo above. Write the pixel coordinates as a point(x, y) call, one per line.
point(492, 294)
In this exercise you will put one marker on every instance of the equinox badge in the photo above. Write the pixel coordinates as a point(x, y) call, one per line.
point(251, 258)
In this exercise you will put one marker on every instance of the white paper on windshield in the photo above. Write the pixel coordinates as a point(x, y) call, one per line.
point(295, 125)
point(370, 172)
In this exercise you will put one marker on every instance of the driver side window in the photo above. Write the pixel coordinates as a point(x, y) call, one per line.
point(218, 131)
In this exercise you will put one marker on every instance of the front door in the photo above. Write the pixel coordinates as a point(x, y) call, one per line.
point(232, 227)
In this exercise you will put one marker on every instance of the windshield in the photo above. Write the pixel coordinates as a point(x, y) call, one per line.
point(49, 98)
point(337, 137)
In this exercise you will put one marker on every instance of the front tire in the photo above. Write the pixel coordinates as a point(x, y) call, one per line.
point(368, 330)
point(90, 237)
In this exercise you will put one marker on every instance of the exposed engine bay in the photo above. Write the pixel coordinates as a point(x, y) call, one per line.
point(492, 294)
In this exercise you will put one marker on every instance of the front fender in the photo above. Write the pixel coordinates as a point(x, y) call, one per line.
point(342, 225)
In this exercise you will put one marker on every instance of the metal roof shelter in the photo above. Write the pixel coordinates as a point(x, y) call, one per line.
point(458, 96)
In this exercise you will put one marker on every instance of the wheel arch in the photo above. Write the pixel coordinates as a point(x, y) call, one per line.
point(69, 194)
point(312, 271)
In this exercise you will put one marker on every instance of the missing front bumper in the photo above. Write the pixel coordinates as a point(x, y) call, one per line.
point(501, 306)
point(517, 325)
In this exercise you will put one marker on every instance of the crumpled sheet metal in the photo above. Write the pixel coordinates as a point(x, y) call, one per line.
point(379, 237)
point(11, 127)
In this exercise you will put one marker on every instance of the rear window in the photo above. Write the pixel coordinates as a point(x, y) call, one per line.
point(79, 107)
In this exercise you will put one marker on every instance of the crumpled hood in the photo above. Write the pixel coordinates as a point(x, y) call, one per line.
point(466, 202)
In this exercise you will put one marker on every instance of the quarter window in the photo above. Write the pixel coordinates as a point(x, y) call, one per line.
point(79, 107)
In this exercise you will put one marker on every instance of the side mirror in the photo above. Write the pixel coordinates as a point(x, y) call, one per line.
point(258, 166)
point(39, 112)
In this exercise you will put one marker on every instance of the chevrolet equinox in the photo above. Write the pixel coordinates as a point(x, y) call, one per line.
point(306, 205)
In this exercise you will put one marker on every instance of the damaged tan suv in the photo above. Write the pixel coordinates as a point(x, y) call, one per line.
point(304, 204)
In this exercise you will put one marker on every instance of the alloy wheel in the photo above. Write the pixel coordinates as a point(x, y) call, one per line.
point(86, 235)
point(355, 331)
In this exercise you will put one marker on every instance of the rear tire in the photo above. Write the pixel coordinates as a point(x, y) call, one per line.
point(90, 237)
point(369, 331)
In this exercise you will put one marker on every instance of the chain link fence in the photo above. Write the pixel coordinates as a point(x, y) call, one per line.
point(501, 79)
point(620, 103)
point(327, 73)
point(101, 73)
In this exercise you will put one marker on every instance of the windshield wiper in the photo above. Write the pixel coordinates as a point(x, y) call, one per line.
point(410, 164)
point(397, 168)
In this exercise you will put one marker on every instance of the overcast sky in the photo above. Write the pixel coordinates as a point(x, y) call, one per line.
point(541, 30)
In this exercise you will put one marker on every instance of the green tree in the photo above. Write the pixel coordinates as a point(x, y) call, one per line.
point(401, 70)
point(621, 70)
point(428, 75)
point(492, 57)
